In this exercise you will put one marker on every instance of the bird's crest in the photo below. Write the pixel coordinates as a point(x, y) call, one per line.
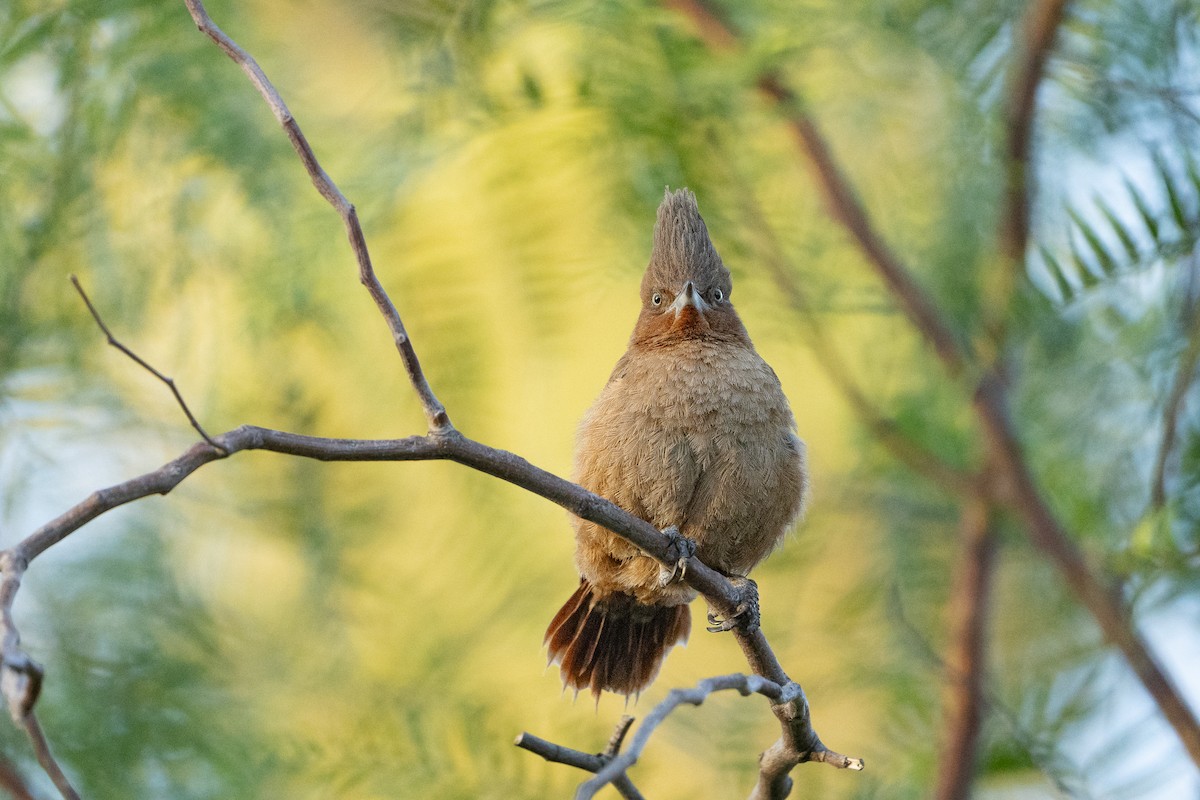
point(682, 249)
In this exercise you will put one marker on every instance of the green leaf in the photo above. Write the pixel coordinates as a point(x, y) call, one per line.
point(1174, 197)
point(29, 35)
point(1120, 230)
point(1055, 268)
point(1149, 218)
point(1104, 259)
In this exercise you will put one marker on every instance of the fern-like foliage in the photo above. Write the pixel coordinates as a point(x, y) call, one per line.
point(1129, 231)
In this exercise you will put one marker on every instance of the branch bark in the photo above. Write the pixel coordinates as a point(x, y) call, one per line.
point(965, 663)
point(1039, 29)
point(589, 762)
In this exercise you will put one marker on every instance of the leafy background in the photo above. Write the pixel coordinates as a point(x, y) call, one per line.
point(284, 628)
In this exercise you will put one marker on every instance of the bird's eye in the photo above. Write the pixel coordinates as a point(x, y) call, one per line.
point(718, 295)
point(656, 299)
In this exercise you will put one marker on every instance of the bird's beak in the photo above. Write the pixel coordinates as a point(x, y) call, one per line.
point(688, 297)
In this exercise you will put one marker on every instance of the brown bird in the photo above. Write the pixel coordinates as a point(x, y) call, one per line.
point(693, 434)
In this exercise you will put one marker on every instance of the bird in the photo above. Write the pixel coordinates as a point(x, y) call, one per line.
point(693, 434)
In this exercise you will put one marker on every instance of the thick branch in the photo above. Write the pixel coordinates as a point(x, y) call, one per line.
point(965, 665)
point(435, 413)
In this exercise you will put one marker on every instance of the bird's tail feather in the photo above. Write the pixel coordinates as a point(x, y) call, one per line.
point(612, 642)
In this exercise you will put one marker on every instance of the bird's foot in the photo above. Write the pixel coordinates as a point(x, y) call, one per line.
point(745, 616)
point(679, 550)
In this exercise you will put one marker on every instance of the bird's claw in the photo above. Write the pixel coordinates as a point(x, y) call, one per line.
point(679, 550)
point(745, 616)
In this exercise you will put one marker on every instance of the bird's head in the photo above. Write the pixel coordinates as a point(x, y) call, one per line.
point(686, 288)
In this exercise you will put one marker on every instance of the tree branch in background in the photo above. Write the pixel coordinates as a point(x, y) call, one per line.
point(965, 663)
point(1016, 489)
point(1032, 49)
point(1184, 377)
point(1011, 482)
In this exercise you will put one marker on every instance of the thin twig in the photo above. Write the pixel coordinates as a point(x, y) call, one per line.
point(21, 676)
point(141, 362)
point(965, 669)
point(435, 412)
point(589, 762)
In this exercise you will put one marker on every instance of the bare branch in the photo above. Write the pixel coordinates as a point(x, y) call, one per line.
point(21, 676)
point(965, 666)
point(435, 412)
point(589, 762)
point(170, 382)
point(451, 446)
point(1039, 29)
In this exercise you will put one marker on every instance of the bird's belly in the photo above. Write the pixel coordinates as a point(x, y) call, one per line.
point(701, 444)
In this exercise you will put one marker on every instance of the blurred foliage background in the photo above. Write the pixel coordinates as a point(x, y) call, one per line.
point(280, 628)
